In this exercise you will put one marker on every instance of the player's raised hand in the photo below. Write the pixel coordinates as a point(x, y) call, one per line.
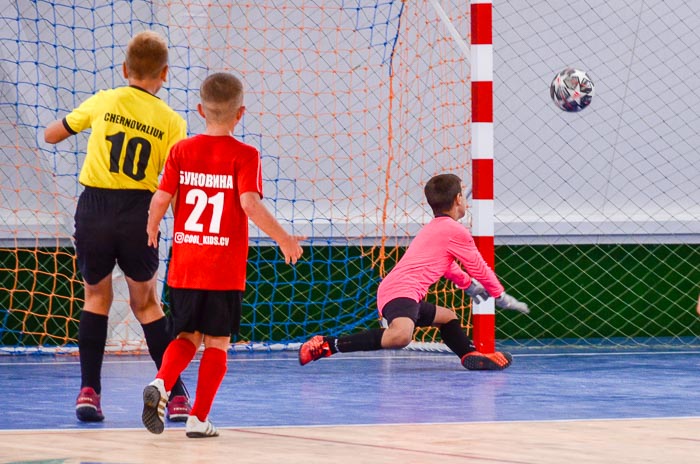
point(506, 301)
point(477, 291)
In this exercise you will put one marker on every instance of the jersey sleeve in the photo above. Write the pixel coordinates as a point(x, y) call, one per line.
point(464, 249)
point(456, 274)
point(81, 117)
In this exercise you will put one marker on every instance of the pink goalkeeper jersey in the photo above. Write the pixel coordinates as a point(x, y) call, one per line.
point(430, 256)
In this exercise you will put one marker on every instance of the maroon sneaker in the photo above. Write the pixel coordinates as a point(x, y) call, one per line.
point(87, 406)
point(178, 409)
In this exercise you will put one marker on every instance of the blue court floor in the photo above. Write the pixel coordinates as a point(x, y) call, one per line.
point(386, 387)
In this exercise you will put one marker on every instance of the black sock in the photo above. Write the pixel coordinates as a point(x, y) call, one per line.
point(158, 338)
point(92, 337)
point(455, 338)
point(369, 340)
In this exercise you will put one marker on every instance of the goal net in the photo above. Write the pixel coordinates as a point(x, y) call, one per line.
point(354, 105)
point(597, 216)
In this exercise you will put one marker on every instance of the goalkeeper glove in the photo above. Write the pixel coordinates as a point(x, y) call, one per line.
point(477, 291)
point(506, 301)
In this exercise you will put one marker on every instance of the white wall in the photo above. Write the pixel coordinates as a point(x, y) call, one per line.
point(625, 169)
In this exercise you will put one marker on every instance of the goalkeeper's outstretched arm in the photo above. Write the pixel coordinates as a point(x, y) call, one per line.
point(508, 302)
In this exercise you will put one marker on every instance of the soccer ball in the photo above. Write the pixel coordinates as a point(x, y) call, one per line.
point(572, 90)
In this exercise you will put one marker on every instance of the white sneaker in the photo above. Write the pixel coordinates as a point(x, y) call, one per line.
point(155, 399)
point(198, 429)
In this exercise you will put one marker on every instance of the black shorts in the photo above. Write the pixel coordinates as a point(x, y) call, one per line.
point(211, 312)
point(110, 228)
point(421, 313)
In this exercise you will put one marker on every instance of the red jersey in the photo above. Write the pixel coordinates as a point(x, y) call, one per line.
point(207, 174)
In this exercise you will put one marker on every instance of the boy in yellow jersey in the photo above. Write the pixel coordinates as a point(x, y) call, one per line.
point(132, 132)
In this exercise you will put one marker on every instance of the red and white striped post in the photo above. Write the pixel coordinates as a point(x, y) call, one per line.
point(483, 314)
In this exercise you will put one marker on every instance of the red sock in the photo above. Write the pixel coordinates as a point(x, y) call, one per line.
point(177, 356)
point(212, 369)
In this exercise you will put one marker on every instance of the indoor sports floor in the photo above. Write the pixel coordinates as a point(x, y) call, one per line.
point(383, 407)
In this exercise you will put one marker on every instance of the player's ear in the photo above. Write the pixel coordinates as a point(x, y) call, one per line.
point(164, 74)
point(240, 113)
point(125, 71)
point(200, 110)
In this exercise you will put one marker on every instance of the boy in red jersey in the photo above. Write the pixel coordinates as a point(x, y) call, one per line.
point(217, 184)
point(132, 132)
point(430, 256)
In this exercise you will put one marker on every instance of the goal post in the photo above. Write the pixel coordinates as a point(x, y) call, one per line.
point(353, 107)
point(484, 316)
point(481, 58)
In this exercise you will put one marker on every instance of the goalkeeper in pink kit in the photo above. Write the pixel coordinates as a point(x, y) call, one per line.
point(432, 254)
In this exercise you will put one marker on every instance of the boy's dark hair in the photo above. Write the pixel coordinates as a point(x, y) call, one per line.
point(441, 191)
point(222, 95)
point(146, 55)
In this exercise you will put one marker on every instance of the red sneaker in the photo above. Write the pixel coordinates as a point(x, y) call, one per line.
point(87, 406)
point(477, 361)
point(316, 348)
point(178, 409)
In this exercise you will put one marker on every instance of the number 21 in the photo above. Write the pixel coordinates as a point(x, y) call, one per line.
point(199, 199)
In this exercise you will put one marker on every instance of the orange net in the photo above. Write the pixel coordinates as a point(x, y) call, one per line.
point(353, 106)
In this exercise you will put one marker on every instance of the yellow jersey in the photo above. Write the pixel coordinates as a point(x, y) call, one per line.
point(132, 133)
